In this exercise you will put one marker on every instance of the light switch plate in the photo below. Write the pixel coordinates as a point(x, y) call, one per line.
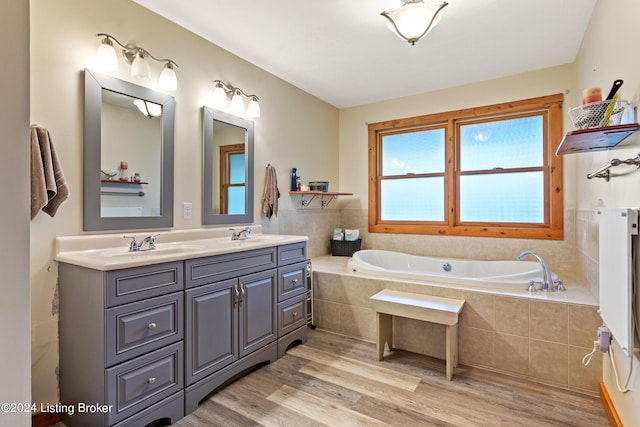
point(187, 210)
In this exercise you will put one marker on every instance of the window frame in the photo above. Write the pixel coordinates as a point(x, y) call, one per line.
point(551, 228)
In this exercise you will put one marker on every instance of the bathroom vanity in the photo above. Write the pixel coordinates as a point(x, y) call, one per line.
point(147, 336)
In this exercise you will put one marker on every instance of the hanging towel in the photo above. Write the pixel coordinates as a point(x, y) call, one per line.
point(48, 185)
point(271, 193)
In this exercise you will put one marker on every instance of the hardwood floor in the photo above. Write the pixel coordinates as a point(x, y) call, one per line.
point(335, 380)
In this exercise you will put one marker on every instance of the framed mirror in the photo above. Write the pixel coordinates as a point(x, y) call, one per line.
point(128, 155)
point(227, 147)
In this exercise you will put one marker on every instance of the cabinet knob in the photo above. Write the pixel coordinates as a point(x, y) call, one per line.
point(151, 380)
point(152, 326)
point(295, 281)
point(294, 314)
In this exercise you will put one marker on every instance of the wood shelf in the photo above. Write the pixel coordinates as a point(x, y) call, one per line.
point(322, 194)
point(588, 140)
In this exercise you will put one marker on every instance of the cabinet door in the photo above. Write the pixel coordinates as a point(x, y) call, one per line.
point(257, 310)
point(212, 328)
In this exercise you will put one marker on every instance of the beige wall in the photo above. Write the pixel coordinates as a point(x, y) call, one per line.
point(295, 130)
point(602, 59)
point(15, 369)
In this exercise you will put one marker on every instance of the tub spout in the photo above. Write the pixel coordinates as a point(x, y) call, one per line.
point(547, 280)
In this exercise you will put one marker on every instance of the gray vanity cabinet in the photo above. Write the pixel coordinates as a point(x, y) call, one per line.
point(121, 344)
point(228, 320)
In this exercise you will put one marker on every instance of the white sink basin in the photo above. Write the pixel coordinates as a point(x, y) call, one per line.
point(160, 250)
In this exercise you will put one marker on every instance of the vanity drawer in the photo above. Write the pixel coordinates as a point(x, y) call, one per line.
point(202, 271)
point(134, 385)
point(291, 314)
point(138, 283)
point(291, 280)
point(136, 328)
point(290, 254)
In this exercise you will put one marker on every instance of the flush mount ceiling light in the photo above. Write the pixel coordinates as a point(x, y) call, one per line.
point(147, 108)
point(107, 59)
point(224, 94)
point(414, 19)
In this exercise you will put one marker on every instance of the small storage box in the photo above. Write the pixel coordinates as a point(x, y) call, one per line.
point(319, 186)
point(345, 247)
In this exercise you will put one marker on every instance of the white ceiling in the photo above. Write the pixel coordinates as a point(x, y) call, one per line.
point(342, 52)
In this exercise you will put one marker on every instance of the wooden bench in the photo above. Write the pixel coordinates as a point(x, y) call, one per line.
point(429, 308)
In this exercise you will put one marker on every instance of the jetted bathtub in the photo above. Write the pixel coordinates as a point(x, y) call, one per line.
point(512, 275)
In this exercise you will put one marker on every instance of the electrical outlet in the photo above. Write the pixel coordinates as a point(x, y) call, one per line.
point(187, 210)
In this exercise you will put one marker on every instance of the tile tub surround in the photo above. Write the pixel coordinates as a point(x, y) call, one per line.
point(541, 337)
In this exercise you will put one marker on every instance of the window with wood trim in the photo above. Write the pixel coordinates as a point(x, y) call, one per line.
point(485, 171)
point(232, 179)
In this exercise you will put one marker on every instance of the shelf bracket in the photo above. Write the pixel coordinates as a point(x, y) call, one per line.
point(604, 171)
point(326, 203)
point(306, 203)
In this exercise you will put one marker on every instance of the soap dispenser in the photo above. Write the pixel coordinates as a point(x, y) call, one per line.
point(294, 180)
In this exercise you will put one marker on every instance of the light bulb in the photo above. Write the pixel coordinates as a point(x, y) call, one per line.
point(237, 104)
point(253, 110)
point(168, 79)
point(219, 98)
point(147, 108)
point(106, 58)
point(140, 67)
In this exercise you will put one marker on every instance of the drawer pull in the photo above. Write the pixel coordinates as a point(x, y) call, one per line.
point(152, 326)
point(152, 380)
point(294, 314)
point(295, 281)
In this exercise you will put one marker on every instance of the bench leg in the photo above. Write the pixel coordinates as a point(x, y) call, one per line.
point(449, 352)
point(385, 333)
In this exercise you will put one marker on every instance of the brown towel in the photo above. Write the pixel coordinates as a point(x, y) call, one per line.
point(48, 186)
point(271, 193)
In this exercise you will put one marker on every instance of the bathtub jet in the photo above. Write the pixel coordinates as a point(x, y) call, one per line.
point(507, 274)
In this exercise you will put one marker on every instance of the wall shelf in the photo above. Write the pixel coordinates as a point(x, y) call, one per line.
point(116, 181)
point(588, 140)
point(322, 194)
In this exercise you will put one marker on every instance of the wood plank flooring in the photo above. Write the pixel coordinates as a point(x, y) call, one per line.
point(335, 380)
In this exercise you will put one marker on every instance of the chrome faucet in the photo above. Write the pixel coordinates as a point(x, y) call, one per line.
point(548, 284)
point(135, 246)
point(240, 235)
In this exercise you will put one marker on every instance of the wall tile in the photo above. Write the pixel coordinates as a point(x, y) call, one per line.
point(512, 316)
point(477, 347)
point(549, 321)
point(549, 361)
point(583, 325)
point(478, 311)
point(511, 353)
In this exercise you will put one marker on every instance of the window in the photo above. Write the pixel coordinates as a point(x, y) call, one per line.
point(486, 171)
point(232, 179)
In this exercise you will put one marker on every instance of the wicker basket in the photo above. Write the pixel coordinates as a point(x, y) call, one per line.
point(598, 114)
point(345, 247)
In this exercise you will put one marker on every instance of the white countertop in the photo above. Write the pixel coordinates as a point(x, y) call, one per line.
point(111, 251)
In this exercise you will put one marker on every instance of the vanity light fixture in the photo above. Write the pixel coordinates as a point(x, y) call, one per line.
point(106, 58)
point(225, 93)
point(414, 19)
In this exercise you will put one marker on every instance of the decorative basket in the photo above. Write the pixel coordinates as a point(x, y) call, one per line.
point(598, 114)
point(345, 247)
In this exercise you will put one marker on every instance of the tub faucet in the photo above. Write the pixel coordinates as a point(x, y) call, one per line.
point(240, 235)
point(547, 280)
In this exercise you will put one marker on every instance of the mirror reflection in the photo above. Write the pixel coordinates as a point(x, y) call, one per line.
point(128, 155)
point(228, 168)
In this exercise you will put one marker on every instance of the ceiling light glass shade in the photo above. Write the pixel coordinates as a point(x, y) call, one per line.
point(168, 79)
point(219, 98)
point(140, 68)
point(237, 104)
point(147, 108)
point(413, 20)
point(106, 57)
point(253, 109)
